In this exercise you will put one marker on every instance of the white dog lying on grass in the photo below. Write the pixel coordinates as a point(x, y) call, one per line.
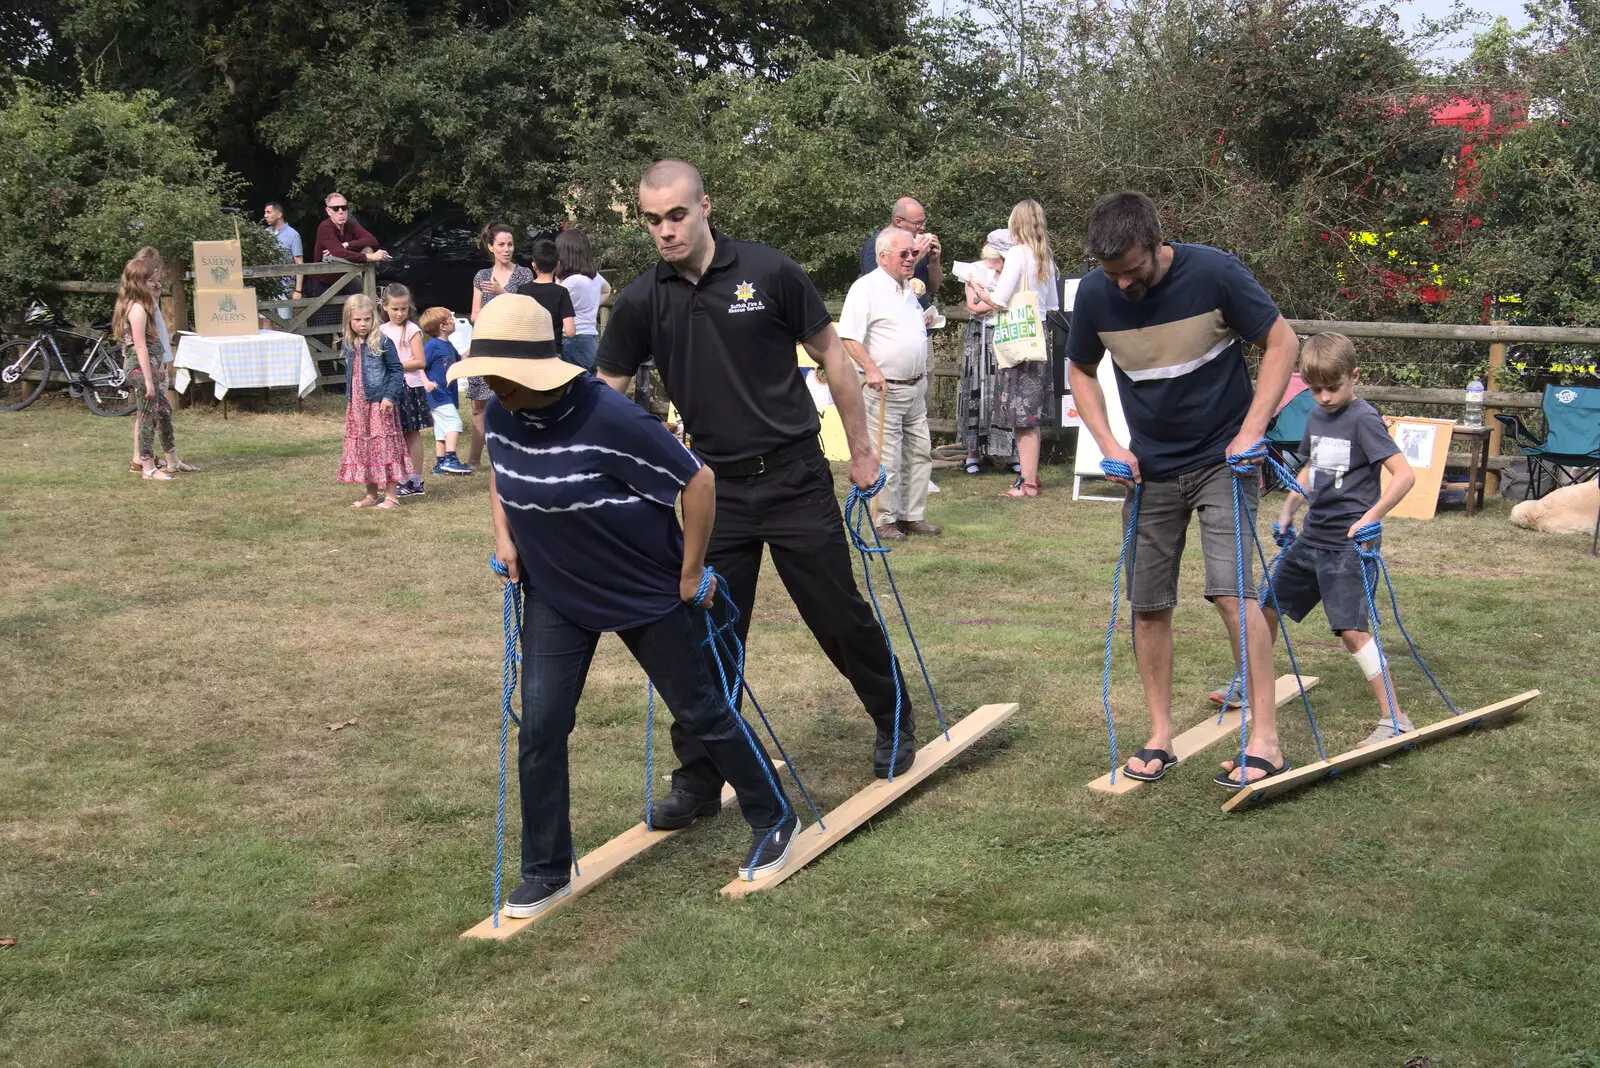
point(1568, 510)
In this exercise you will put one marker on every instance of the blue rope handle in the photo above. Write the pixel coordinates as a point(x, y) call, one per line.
point(508, 686)
point(1242, 468)
point(722, 640)
point(855, 515)
point(1366, 539)
point(1118, 469)
point(1269, 583)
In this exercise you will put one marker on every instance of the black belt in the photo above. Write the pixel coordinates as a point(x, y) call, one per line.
point(905, 381)
point(760, 465)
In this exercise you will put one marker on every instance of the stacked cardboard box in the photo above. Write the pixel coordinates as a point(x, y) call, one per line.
point(223, 304)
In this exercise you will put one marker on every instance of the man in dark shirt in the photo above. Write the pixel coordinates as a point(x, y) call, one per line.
point(339, 237)
point(1175, 319)
point(721, 319)
point(909, 215)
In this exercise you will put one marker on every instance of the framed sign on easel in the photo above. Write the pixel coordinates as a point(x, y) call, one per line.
point(1425, 443)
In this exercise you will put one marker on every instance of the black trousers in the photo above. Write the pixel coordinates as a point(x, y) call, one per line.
point(792, 511)
point(555, 662)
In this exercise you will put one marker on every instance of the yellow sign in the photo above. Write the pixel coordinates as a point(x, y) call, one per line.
point(834, 445)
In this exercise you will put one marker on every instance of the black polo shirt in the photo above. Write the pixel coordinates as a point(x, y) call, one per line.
point(724, 346)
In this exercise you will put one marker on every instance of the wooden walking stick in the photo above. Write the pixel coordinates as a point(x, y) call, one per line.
point(883, 414)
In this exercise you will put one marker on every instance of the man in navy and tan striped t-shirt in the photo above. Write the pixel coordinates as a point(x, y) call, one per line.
point(1175, 319)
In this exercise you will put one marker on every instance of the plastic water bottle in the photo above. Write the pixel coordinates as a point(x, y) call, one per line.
point(1474, 416)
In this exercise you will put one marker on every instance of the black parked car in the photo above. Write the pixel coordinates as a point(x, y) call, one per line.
point(437, 259)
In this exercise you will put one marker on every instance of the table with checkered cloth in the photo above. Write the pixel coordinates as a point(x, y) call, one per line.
point(248, 361)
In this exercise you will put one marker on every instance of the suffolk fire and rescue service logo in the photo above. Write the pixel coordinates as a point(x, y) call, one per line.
point(744, 295)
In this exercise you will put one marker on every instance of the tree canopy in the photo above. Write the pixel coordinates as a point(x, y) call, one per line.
point(1306, 135)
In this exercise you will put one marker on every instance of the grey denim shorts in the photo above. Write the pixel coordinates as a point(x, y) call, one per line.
point(1165, 507)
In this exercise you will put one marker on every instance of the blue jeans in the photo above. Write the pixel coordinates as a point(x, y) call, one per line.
point(555, 661)
point(581, 350)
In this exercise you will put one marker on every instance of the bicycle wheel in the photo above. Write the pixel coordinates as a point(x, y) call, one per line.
point(105, 387)
point(24, 370)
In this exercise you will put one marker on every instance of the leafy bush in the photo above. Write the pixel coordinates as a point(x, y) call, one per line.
point(87, 180)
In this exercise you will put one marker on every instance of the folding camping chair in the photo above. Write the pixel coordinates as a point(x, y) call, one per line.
point(1285, 433)
point(1570, 452)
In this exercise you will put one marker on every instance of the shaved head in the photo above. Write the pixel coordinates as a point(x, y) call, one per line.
point(669, 172)
point(674, 205)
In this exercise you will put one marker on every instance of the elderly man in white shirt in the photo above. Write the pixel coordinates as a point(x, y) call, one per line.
point(885, 333)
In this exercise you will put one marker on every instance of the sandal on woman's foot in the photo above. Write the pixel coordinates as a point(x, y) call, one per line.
point(369, 501)
point(972, 466)
point(1225, 776)
point(155, 474)
point(1022, 489)
point(181, 466)
point(1147, 755)
point(388, 504)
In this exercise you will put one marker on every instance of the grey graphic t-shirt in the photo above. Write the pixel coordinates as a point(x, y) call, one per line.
point(1347, 449)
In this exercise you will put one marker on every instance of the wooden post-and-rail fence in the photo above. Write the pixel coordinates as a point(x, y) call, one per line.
point(351, 278)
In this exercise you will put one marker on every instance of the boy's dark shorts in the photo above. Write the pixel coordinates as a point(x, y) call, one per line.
point(1307, 575)
point(1165, 507)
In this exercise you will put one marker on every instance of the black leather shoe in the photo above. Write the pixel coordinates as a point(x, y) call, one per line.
point(681, 808)
point(883, 750)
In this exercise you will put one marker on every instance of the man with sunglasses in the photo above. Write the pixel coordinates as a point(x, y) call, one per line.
point(909, 215)
point(339, 237)
point(884, 332)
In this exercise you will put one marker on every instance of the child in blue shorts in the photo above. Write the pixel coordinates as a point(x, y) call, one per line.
point(439, 356)
point(1347, 443)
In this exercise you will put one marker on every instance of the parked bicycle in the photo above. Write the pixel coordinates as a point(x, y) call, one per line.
point(99, 380)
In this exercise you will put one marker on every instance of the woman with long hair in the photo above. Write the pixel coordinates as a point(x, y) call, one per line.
point(576, 270)
point(134, 321)
point(1024, 399)
point(503, 275)
point(374, 448)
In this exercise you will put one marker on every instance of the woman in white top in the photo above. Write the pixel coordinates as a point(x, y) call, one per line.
point(1024, 400)
point(575, 269)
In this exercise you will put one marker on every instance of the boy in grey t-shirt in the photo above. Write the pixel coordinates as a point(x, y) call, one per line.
point(1347, 444)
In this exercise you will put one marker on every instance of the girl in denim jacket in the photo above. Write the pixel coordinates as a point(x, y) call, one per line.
point(374, 449)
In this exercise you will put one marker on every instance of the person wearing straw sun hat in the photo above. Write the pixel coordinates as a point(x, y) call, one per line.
point(583, 483)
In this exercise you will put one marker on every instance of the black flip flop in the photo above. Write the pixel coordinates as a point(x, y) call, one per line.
point(1166, 758)
point(1259, 764)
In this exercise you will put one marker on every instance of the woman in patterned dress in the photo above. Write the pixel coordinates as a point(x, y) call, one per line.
point(1024, 401)
point(506, 275)
point(374, 448)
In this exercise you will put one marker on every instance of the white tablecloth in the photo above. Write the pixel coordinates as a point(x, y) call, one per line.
point(248, 361)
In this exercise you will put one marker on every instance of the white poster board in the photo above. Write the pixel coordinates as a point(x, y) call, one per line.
point(1086, 464)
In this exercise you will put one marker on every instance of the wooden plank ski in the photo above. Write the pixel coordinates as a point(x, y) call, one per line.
point(1202, 735)
point(1368, 754)
point(813, 841)
point(596, 866)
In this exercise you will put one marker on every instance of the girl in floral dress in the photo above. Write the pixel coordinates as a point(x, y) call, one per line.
point(374, 448)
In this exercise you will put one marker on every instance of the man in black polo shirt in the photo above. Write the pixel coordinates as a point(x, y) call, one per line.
point(909, 215)
point(721, 319)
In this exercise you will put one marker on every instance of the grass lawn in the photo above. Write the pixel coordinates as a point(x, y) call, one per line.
point(197, 871)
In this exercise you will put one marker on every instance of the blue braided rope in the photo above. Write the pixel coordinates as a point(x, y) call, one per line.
point(650, 715)
point(1369, 552)
point(724, 639)
point(649, 751)
point(728, 645)
point(1118, 469)
point(1269, 576)
point(855, 516)
point(1242, 468)
point(508, 685)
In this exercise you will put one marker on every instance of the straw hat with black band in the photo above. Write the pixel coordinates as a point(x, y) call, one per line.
point(514, 339)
